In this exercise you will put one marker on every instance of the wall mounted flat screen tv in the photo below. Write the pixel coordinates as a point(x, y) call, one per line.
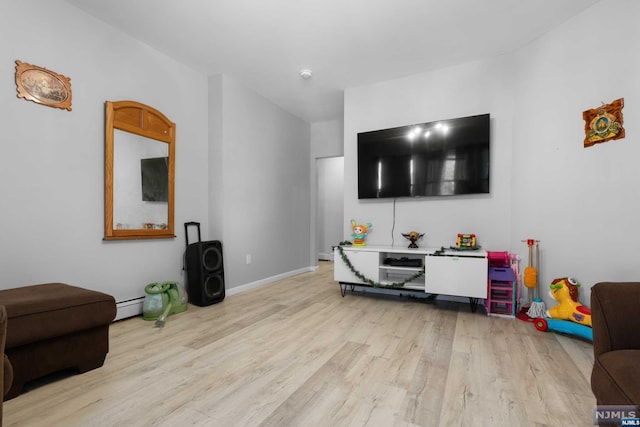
point(443, 158)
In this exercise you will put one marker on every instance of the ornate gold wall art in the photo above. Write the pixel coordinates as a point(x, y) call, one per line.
point(603, 123)
point(43, 86)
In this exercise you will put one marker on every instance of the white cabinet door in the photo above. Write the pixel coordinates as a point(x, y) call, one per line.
point(456, 275)
point(366, 262)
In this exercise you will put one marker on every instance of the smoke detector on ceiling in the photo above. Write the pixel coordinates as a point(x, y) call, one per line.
point(306, 73)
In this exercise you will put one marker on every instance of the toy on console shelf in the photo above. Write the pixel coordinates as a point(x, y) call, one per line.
point(413, 237)
point(359, 232)
point(466, 241)
point(569, 316)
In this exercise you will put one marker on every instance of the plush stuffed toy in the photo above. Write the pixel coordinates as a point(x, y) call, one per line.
point(359, 232)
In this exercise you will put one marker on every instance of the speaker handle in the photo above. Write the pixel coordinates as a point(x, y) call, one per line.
point(186, 232)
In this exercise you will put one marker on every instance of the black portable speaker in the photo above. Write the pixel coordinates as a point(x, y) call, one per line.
point(205, 270)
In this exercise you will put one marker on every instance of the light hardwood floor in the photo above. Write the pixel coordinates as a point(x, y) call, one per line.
point(296, 353)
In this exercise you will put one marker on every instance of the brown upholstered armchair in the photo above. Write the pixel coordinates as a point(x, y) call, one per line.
point(615, 309)
point(6, 372)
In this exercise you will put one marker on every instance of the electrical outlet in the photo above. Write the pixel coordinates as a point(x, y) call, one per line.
point(248, 259)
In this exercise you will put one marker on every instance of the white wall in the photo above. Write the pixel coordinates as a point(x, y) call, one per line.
point(469, 89)
point(241, 162)
point(327, 139)
point(261, 185)
point(581, 203)
point(52, 162)
point(216, 183)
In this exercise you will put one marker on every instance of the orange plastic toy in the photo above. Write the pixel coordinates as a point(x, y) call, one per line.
point(565, 291)
point(359, 232)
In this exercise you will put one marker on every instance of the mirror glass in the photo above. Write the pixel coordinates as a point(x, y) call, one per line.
point(140, 182)
point(139, 172)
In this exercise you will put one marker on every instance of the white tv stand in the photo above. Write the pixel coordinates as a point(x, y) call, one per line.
point(446, 272)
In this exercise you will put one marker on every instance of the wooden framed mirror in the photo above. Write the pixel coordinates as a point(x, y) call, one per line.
point(139, 172)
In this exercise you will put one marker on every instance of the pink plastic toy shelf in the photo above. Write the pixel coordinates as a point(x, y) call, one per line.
point(502, 295)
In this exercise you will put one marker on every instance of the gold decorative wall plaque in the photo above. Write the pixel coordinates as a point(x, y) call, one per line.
point(603, 123)
point(43, 86)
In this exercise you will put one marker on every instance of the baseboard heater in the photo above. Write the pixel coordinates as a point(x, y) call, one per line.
point(129, 308)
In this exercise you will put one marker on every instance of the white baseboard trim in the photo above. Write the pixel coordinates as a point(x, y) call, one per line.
point(269, 280)
point(133, 307)
point(325, 257)
point(129, 308)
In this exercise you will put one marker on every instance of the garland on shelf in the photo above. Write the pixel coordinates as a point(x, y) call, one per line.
point(359, 275)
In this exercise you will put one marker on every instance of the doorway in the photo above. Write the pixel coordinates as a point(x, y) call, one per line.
point(330, 205)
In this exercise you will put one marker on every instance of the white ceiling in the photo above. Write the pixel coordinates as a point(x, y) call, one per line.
point(264, 44)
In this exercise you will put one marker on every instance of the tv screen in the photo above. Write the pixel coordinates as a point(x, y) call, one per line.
point(443, 158)
point(155, 179)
